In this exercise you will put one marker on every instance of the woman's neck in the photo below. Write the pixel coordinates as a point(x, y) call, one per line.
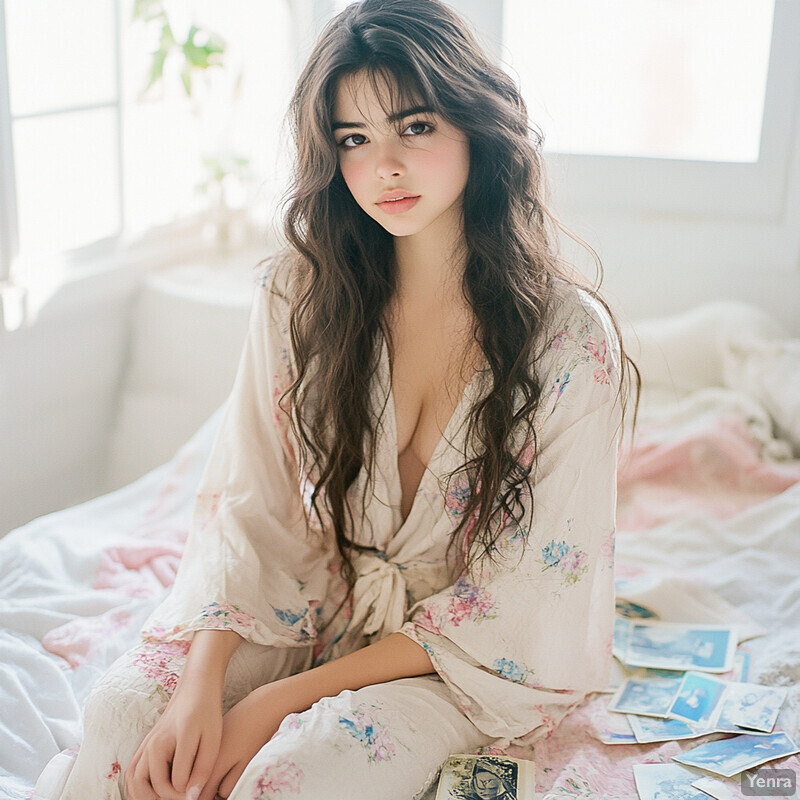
point(430, 267)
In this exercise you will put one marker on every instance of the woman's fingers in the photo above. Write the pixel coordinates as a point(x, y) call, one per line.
point(137, 781)
point(159, 774)
point(182, 763)
point(204, 761)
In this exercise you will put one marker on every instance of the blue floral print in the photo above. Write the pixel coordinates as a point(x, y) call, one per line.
point(512, 670)
point(373, 736)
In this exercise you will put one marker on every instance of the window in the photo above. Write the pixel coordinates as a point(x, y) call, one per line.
point(91, 159)
point(661, 107)
point(657, 79)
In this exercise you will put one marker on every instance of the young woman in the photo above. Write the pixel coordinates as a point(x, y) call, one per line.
point(403, 541)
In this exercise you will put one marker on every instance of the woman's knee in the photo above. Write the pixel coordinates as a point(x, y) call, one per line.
point(386, 740)
point(135, 690)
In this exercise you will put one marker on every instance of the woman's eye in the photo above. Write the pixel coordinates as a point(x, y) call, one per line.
point(418, 129)
point(353, 140)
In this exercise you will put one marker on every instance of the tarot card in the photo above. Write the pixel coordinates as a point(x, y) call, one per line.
point(651, 697)
point(622, 629)
point(672, 645)
point(741, 666)
point(631, 610)
point(651, 729)
point(698, 699)
point(620, 673)
point(728, 757)
point(475, 777)
point(664, 782)
point(752, 706)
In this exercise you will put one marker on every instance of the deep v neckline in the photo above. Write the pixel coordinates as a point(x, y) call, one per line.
point(446, 437)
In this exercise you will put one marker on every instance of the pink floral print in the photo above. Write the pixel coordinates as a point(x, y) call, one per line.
point(469, 602)
point(284, 776)
point(560, 340)
point(216, 616)
point(598, 350)
point(157, 661)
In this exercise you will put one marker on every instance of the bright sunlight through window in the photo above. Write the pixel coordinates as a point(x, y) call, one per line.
point(678, 79)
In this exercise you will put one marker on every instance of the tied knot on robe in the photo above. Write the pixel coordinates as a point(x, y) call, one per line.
point(379, 597)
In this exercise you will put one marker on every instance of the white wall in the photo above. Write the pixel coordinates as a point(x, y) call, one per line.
point(661, 263)
point(58, 383)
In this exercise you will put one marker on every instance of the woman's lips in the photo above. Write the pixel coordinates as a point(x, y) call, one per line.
point(399, 205)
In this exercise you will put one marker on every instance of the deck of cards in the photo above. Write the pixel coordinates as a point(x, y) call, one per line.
point(680, 681)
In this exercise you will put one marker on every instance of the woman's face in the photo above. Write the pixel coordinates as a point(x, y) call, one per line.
point(487, 785)
point(407, 170)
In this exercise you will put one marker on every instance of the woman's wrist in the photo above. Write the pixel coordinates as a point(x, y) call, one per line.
point(207, 661)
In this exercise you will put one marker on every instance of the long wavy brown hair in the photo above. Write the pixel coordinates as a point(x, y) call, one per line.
point(345, 271)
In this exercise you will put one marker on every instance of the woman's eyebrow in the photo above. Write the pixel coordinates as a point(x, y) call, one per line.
point(396, 117)
point(409, 112)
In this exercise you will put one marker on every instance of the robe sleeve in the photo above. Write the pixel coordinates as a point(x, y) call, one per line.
point(250, 563)
point(526, 634)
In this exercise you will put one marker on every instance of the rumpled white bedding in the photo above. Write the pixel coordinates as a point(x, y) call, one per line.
point(48, 573)
point(722, 390)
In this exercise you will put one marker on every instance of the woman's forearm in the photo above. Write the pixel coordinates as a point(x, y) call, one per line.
point(209, 655)
point(394, 657)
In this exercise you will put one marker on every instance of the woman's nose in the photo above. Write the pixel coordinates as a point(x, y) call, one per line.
point(389, 163)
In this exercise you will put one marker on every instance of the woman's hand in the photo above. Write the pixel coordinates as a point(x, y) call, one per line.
point(180, 751)
point(246, 728)
point(175, 760)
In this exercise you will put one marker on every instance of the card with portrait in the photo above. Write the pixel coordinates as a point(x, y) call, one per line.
point(485, 777)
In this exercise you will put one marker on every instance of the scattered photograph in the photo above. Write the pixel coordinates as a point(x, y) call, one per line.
point(631, 610)
point(620, 673)
point(741, 666)
point(651, 697)
point(622, 630)
point(483, 777)
point(666, 782)
point(728, 757)
point(698, 699)
point(675, 646)
point(752, 706)
point(651, 729)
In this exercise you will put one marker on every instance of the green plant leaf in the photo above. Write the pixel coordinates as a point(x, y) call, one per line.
point(160, 56)
point(186, 79)
point(203, 56)
point(156, 70)
point(148, 10)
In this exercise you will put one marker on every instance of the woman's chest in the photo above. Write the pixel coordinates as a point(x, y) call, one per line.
point(429, 374)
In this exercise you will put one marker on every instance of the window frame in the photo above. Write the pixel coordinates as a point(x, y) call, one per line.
point(701, 189)
point(10, 254)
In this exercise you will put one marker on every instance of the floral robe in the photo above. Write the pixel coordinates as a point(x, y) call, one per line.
point(518, 640)
point(515, 642)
